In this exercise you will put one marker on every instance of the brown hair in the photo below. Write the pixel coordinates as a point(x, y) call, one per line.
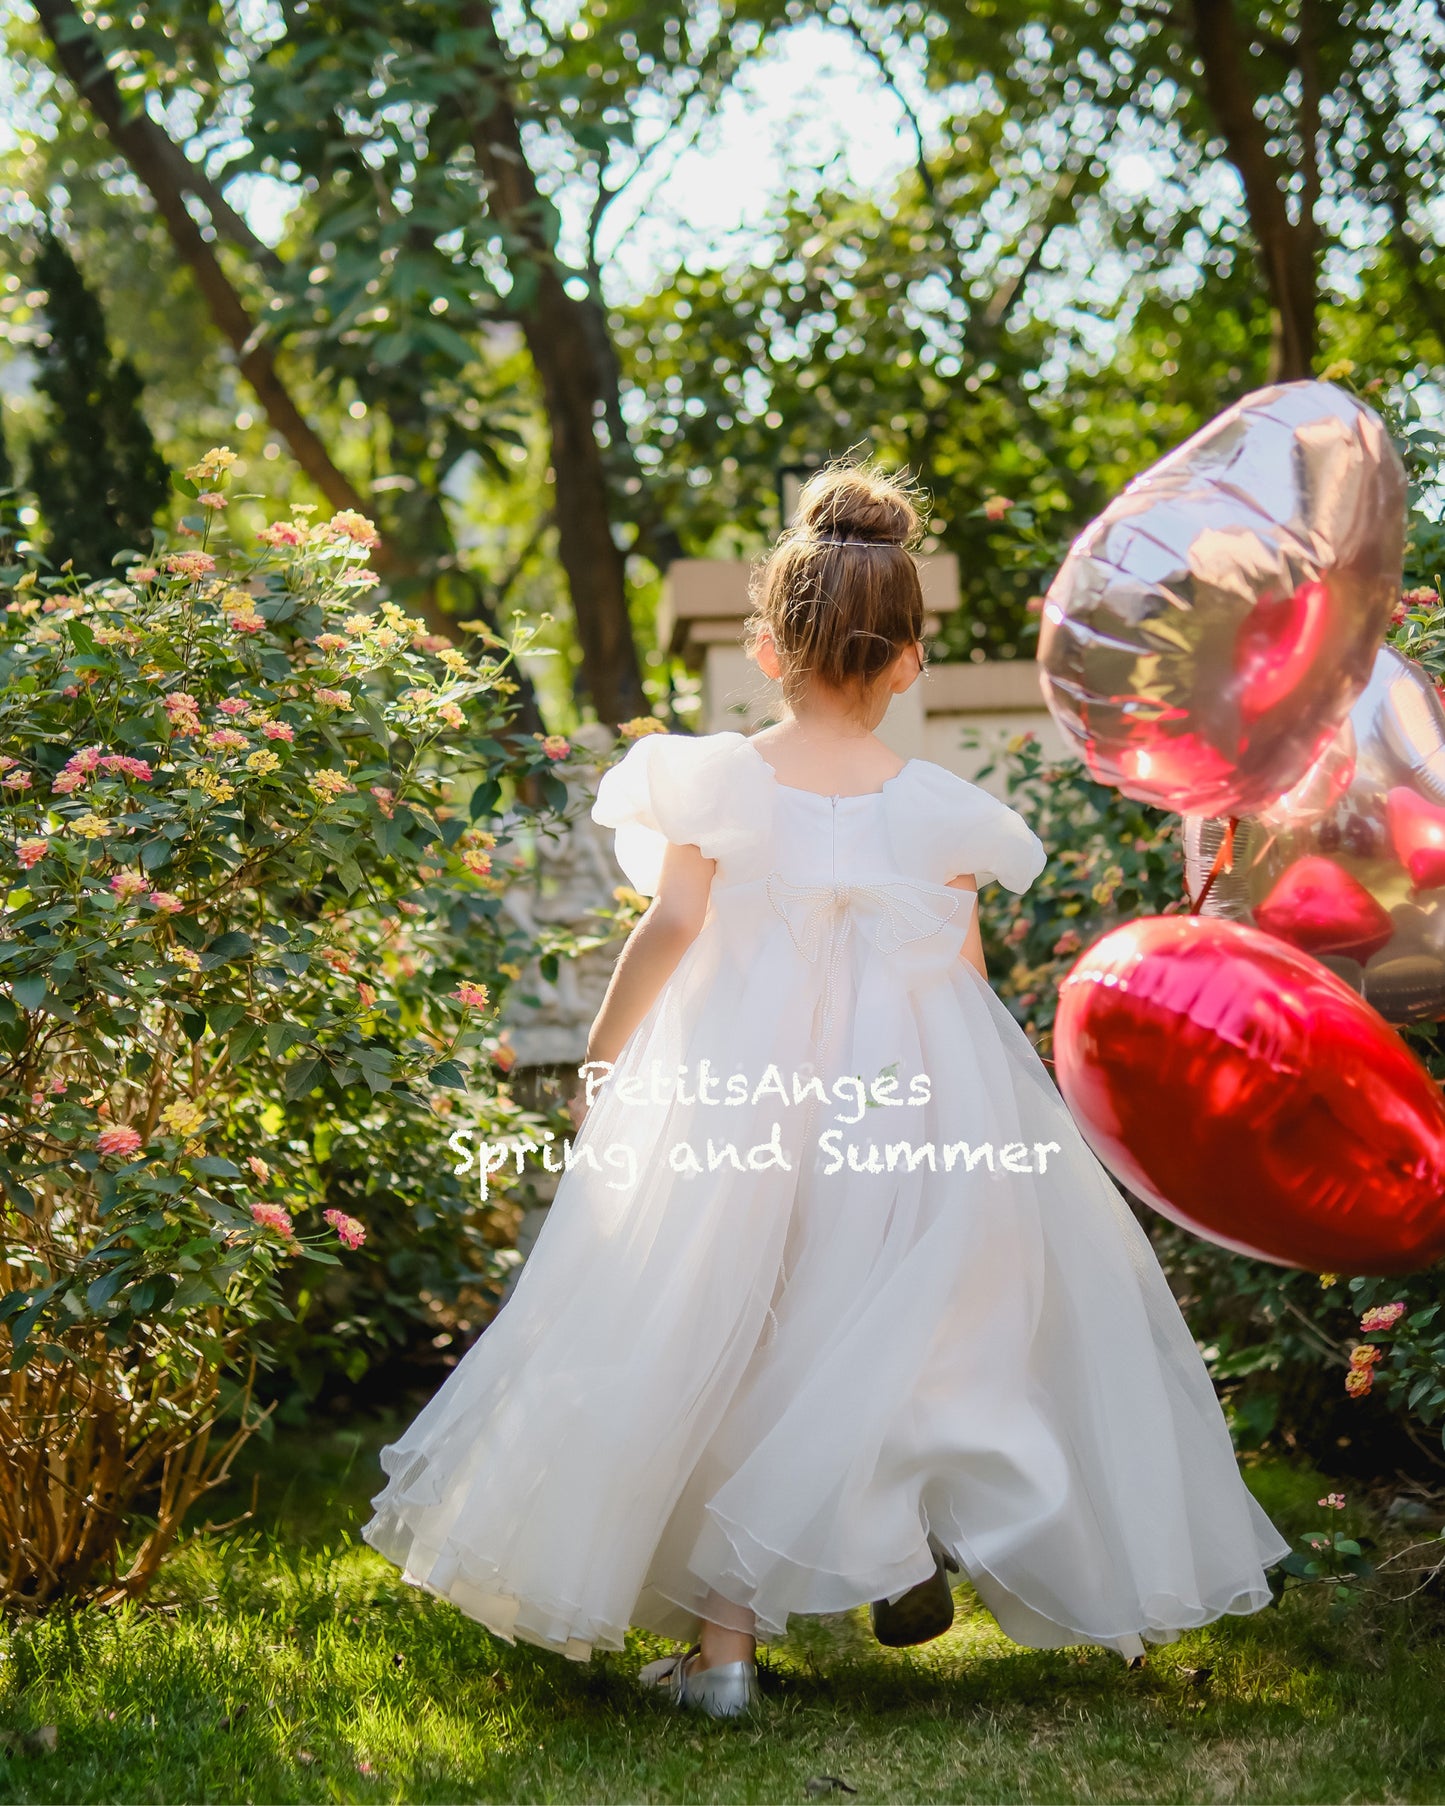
point(839, 592)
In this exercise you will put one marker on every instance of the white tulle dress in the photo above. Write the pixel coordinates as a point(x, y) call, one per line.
point(768, 1340)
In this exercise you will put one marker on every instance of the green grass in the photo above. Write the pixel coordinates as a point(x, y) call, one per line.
point(285, 1661)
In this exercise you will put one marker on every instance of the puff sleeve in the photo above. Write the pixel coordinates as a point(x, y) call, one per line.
point(996, 843)
point(679, 790)
point(957, 828)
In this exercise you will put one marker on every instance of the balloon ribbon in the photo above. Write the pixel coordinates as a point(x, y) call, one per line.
point(1223, 862)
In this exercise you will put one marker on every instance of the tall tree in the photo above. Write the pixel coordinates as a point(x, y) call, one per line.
point(411, 137)
point(95, 471)
point(1327, 113)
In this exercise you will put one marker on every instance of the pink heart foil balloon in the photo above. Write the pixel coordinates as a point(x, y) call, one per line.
point(1417, 833)
point(1208, 633)
point(1321, 909)
point(1373, 807)
point(1247, 1094)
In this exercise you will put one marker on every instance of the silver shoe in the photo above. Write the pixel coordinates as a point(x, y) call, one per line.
point(728, 1691)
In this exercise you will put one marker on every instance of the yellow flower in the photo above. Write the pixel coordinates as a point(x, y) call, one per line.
point(1342, 366)
point(184, 956)
point(263, 762)
point(182, 1117)
point(629, 898)
point(328, 785)
point(640, 725)
point(1329, 1279)
point(216, 787)
point(91, 826)
point(216, 462)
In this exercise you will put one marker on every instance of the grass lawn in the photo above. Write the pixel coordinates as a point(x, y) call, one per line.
point(284, 1661)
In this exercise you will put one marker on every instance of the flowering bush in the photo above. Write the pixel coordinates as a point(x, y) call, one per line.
point(251, 933)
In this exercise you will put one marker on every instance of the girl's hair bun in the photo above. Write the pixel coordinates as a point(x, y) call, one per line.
point(839, 594)
point(849, 501)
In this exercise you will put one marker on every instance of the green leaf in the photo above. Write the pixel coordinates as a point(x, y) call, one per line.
point(301, 1077)
point(448, 1073)
point(30, 991)
point(485, 798)
point(232, 946)
point(244, 1040)
point(215, 1167)
point(185, 485)
point(154, 853)
point(223, 1017)
point(281, 1036)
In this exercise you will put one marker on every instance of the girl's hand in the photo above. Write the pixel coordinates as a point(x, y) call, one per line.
point(577, 1107)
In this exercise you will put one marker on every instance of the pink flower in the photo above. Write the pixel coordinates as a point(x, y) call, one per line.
point(165, 902)
point(208, 498)
point(16, 780)
point(1364, 1354)
point(332, 642)
point(278, 730)
point(505, 1056)
point(996, 507)
point(352, 1233)
point(179, 703)
point(239, 623)
point(479, 864)
point(334, 699)
point(366, 993)
point(1034, 604)
point(282, 533)
point(143, 573)
point(31, 852)
point(1381, 1316)
point(1333, 1501)
point(272, 1216)
point(385, 800)
point(87, 760)
point(556, 746)
point(68, 781)
point(472, 997)
point(353, 526)
point(259, 1167)
point(1069, 941)
point(127, 884)
point(1359, 1380)
point(119, 1141)
point(226, 739)
point(233, 705)
point(190, 564)
point(138, 769)
point(361, 579)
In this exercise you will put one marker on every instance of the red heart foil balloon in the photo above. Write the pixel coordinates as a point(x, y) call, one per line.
point(1317, 906)
point(1417, 832)
point(1252, 1096)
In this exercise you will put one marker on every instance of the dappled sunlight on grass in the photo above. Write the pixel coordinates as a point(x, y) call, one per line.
point(283, 1660)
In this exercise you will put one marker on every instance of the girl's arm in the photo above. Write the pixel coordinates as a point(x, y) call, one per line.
point(653, 949)
point(973, 940)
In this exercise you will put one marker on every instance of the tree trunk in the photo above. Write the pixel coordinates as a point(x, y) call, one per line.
point(1288, 249)
point(555, 327)
point(169, 176)
point(154, 159)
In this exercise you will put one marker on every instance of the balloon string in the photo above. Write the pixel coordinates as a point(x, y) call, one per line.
point(1223, 862)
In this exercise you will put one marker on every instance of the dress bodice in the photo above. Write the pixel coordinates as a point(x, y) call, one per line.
point(717, 792)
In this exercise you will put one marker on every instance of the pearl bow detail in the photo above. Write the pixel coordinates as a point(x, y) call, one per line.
point(899, 910)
